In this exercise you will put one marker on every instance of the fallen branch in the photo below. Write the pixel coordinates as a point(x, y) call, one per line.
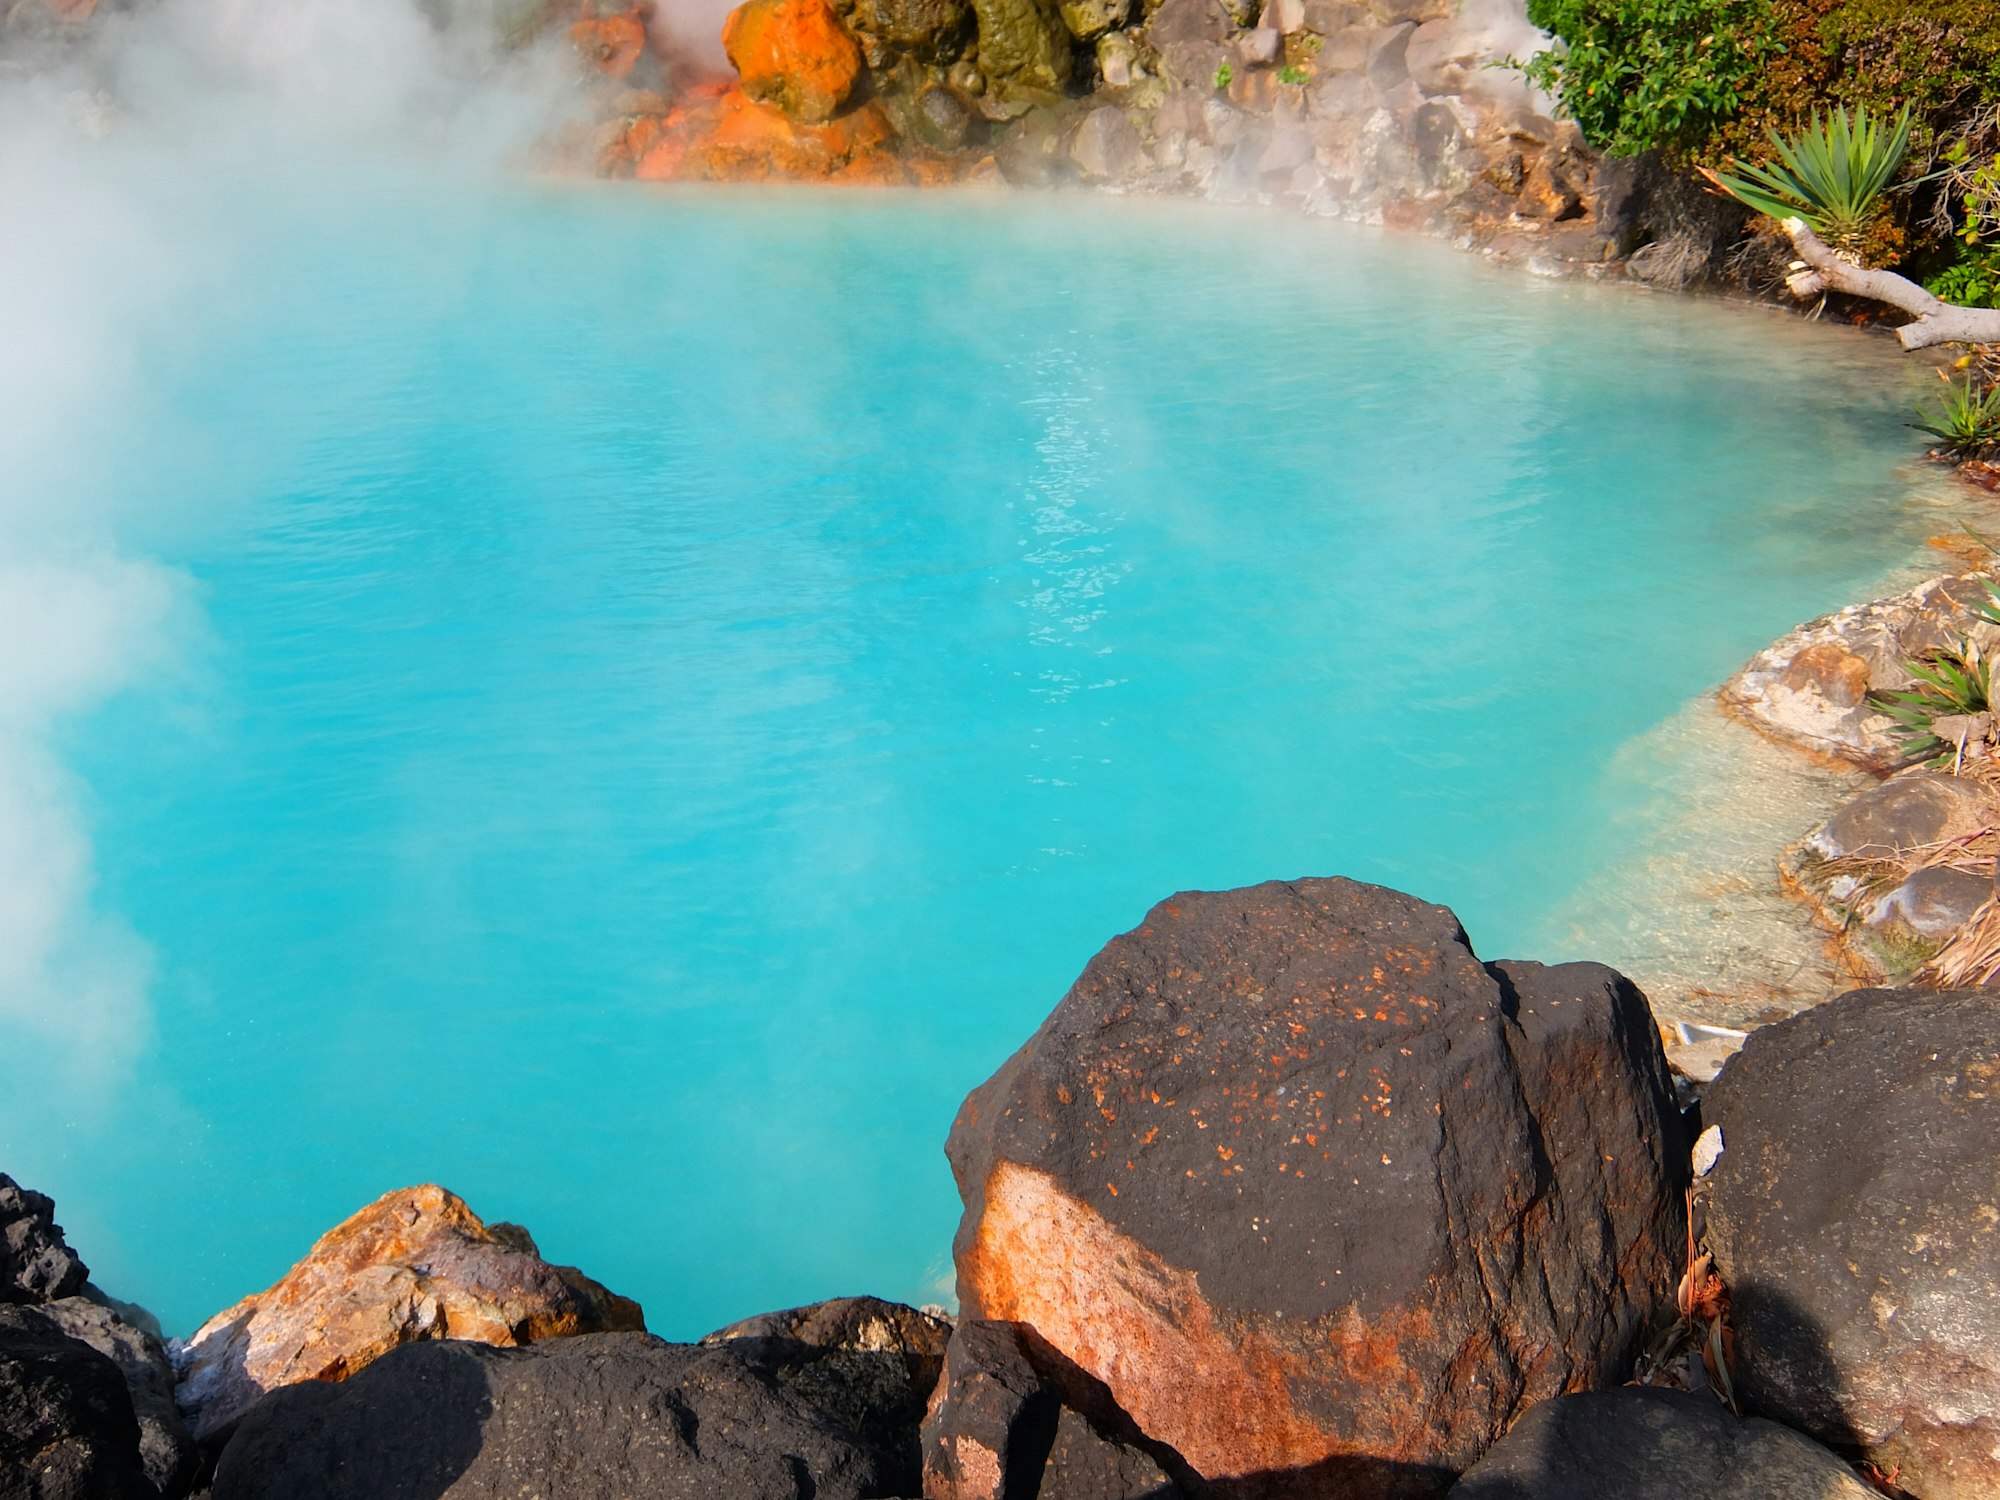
point(1937, 322)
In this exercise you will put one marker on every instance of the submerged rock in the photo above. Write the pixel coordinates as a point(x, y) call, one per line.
point(793, 55)
point(1314, 1192)
point(615, 1414)
point(67, 1431)
point(1641, 1444)
point(36, 1263)
point(1869, 871)
point(414, 1265)
point(1811, 688)
point(1855, 1217)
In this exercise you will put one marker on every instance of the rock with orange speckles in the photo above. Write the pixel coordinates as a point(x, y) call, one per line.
point(794, 55)
point(1321, 1199)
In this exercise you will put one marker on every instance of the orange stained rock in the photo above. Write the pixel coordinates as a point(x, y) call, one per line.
point(1216, 1388)
point(793, 54)
point(732, 138)
point(415, 1264)
point(614, 44)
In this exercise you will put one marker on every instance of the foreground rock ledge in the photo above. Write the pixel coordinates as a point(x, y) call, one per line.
point(1855, 1215)
point(1322, 1199)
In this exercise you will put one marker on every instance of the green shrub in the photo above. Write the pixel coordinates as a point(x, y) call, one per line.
point(1950, 682)
point(1831, 174)
point(1974, 281)
point(1966, 419)
point(1640, 74)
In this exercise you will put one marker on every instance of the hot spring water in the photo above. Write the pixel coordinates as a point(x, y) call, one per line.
point(671, 688)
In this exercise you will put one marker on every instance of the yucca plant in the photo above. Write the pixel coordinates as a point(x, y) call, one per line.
point(1831, 175)
point(1966, 419)
point(1951, 682)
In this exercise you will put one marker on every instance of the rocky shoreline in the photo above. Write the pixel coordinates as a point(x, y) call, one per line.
point(1292, 1195)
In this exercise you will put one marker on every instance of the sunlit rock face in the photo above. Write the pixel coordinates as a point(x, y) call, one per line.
point(794, 55)
point(414, 1265)
point(614, 43)
point(1320, 1197)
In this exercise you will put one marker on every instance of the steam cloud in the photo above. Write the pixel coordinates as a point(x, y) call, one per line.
point(98, 138)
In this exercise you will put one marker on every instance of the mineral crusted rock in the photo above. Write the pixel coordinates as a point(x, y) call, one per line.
point(1024, 47)
point(66, 1426)
point(166, 1449)
point(1642, 1444)
point(1811, 688)
point(793, 55)
point(1003, 1426)
point(36, 1263)
point(415, 1265)
point(614, 44)
point(618, 1414)
point(1315, 1192)
point(866, 1365)
point(1855, 1218)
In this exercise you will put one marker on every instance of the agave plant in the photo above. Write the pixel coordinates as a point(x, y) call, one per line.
point(1966, 419)
point(1830, 175)
point(1952, 682)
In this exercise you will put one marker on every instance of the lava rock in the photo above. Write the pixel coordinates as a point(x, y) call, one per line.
point(1642, 1444)
point(933, 29)
point(415, 1264)
point(1855, 1217)
point(36, 1264)
point(66, 1426)
point(866, 1365)
point(611, 1414)
point(1319, 1196)
point(1004, 1425)
point(166, 1449)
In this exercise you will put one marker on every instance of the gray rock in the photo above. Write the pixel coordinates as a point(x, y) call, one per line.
point(1444, 56)
point(866, 1365)
point(1259, 46)
point(1855, 1217)
point(1907, 812)
point(36, 1264)
point(1179, 21)
point(599, 1414)
point(1933, 903)
point(166, 1449)
point(1107, 147)
point(1388, 57)
point(66, 1426)
point(1636, 1443)
point(1329, 16)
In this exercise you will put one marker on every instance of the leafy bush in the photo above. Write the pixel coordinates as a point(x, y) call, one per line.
point(1831, 174)
point(1974, 281)
point(1640, 74)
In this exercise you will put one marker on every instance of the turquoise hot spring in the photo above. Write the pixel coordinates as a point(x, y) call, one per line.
point(664, 689)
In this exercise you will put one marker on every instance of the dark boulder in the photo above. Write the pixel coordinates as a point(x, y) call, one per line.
point(866, 1365)
point(1320, 1196)
point(1641, 1444)
point(1855, 1217)
point(598, 1415)
point(35, 1263)
point(1005, 1425)
point(166, 1448)
point(66, 1426)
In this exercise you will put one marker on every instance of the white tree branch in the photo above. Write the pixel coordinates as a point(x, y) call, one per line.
point(1936, 322)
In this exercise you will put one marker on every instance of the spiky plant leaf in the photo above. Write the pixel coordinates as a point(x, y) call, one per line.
point(1831, 174)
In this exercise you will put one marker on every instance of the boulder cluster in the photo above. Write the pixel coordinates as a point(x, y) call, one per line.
point(1396, 111)
point(1292, 1195)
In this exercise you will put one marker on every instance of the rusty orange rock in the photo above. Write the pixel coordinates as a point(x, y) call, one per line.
point(1321, 1199)
point(615, 43)
point(729, 137)
point(793, 54)
point(415, 1264)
